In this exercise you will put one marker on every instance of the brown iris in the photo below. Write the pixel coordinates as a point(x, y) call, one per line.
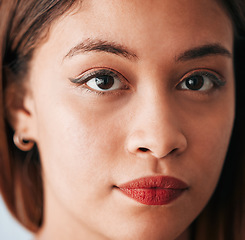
point(104, 82)
point(195, 82)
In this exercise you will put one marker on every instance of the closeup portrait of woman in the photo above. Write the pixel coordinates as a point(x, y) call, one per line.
point(123, 119)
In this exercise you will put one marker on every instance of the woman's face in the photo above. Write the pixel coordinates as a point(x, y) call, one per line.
point(128, 90)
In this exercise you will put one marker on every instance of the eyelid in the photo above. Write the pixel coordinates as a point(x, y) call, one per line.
point(91, 73)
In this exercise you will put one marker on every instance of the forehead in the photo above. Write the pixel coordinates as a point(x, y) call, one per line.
point(186, 13)
point(151, 26)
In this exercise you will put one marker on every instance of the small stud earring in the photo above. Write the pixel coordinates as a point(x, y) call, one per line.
point(21, 143)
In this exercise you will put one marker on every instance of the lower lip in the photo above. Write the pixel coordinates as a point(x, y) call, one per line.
point(157, 190)
point(153, 196)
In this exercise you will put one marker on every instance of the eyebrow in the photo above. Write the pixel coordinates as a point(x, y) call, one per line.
point(203, 51)
point(97, 45)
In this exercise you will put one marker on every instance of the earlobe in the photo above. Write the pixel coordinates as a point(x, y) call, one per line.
point(19, 109)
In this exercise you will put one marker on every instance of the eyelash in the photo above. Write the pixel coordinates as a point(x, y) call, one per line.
point(96, 74)
point(215, 81)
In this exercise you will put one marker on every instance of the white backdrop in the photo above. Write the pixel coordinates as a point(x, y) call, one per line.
point(9, 228)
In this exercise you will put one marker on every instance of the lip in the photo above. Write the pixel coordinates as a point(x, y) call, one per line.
point(155, 190)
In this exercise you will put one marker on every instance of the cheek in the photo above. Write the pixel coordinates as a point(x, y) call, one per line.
point(208, 145)
point(77, 145)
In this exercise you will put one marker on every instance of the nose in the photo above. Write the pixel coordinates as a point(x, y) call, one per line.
point(156, 128)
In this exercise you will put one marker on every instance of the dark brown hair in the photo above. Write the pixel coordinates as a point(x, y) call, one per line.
point(24, 25)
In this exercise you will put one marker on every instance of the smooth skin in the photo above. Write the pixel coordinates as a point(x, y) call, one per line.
point(149, 122)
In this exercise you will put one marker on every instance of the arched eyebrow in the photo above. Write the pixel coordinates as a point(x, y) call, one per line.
point(97, 45)
point(203, 51)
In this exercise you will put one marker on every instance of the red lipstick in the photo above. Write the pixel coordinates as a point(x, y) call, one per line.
point(157, 190)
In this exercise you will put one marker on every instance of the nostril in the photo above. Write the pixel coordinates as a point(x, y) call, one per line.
point(174, 150)
point(142, 149)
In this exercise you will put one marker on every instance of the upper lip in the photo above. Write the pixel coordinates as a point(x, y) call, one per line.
point(163, 182)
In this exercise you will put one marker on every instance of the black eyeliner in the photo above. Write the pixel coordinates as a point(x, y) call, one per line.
point(86, 77)
point(216, 80)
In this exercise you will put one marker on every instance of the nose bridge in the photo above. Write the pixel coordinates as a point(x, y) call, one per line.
point(159, 113)
point(156, 126)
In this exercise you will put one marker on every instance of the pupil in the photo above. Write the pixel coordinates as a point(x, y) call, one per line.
point(104, 82)
point(195, 82)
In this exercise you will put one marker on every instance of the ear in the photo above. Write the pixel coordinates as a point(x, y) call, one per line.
point(20, 110)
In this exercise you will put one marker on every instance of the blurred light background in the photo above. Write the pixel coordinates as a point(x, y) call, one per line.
point(10, 229)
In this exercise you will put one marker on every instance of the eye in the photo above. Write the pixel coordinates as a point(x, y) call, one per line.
point(105, 82)
point(200, 81)
point(102, 80)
